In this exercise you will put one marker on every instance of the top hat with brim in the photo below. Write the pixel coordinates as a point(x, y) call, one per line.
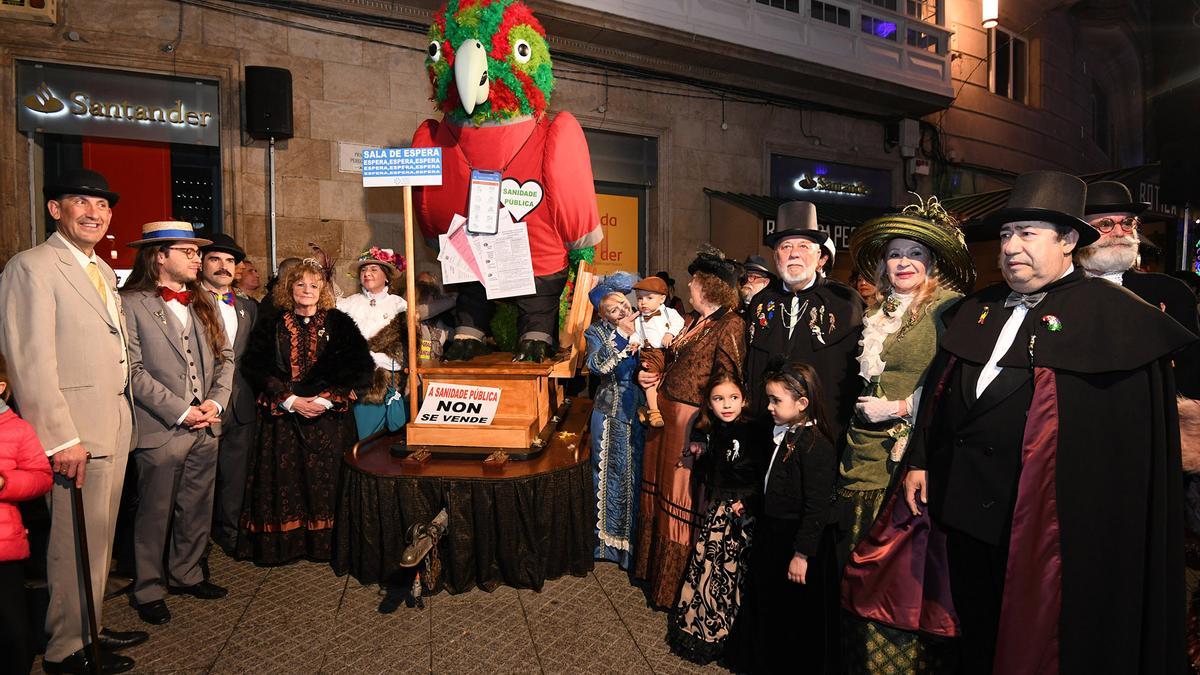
point(757, 264)
point(224, 243)
point(1109, 196)
point(926, 223)
point(712, 261)
point(799, 219)
point(80, 182)
point(391, 262)
point(1045, 196)
point(651, 285)
point(167, 231)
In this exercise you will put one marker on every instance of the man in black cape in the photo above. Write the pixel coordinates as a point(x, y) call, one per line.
point(805, 317)
point(1048, 451)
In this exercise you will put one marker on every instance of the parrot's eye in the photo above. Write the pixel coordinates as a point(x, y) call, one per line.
point(435, 51)
point(522, 51)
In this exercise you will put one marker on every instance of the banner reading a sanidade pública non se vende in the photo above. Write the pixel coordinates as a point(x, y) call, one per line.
point(460, 404)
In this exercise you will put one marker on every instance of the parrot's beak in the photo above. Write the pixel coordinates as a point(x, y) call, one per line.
point(470, 74)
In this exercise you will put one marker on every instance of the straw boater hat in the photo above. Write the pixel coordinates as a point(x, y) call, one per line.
point(167, 231)
point(925, 222)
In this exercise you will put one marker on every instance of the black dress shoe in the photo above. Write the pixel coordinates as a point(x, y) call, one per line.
point(205, 590)
point(112, 640)
point(154, 613)
point(81, 663)
point(465, 349)
point(533, 350)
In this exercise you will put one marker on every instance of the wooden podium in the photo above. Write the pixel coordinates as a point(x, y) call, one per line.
point(531, 397)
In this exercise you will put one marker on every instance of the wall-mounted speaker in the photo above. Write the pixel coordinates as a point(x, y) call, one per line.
point(268, 102)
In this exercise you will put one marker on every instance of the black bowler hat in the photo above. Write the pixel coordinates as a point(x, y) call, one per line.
point(224, 243)
point(80, 182)
point(1047, 196)
point(1109, 196)
point(757, 263)
point(799, 219)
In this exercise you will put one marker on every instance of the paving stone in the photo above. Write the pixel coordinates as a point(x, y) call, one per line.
point(566, 646)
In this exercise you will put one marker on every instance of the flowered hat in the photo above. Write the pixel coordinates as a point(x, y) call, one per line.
point(617, 282)
point(384, 257)
point(925, 222)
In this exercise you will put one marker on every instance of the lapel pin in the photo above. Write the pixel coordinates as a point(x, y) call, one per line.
point(161, 317)
point(983, 315)
point(1052, 323)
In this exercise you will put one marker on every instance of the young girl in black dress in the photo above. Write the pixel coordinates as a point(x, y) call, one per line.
point(790, 588)
point(731, 467)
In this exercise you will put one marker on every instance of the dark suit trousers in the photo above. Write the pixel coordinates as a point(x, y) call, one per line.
point(977, 586)
point(16, 654)
point(233, 463)
point(175, 501)
point(537, 317)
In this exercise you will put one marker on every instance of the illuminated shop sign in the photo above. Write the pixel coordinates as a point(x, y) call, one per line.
point(91, 102)
point(829, 182)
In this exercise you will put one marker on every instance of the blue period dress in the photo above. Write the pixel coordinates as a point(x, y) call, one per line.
point(616, 442)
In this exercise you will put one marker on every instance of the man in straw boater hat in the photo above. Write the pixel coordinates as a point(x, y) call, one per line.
point(1111, 210)
point(805, 317)
point(63, 335)
point(181, 365)
point(1047, 450)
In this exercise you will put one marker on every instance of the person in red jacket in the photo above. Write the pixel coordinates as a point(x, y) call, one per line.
point(24, 474)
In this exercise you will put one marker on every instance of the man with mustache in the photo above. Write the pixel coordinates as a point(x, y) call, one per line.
point(1048, 454)
point(219, 261)
point(1112, 211)
point(805, 317)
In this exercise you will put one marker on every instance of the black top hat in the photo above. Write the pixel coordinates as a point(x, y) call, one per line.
point(80, 182)
point(757, 263)
point(225, 244)
point(799, 219)
point(1047, 196)
point(665, 277)
point(1109, 196)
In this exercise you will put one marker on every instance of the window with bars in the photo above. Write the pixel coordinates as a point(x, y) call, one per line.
point(786, 5)
point(880, 28)
point(828, 13)
point(1008, 65)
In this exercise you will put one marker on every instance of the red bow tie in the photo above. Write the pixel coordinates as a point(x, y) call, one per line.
point(182, 297)
point(226, 297)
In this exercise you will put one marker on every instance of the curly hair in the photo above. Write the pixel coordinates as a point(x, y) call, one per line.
point(717, 291)
point(282, 294)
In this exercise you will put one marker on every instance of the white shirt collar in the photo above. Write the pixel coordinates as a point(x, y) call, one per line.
point(82, 257)
point(375, 296)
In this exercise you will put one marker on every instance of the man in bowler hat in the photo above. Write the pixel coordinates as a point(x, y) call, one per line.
point(1048, 452)
point(63, 334)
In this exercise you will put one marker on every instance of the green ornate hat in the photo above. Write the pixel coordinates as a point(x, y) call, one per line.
point(925, 222)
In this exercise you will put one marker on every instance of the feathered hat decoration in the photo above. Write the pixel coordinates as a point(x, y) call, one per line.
point(926, 222)
point(712, 260)
point(617, 282)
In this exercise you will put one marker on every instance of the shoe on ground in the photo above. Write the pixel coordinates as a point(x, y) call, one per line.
point(656, 419)
point(114, 640)
point(205, 590)
point(464, 349)
point(80, 663)
point(533, 350)
point(154, 613)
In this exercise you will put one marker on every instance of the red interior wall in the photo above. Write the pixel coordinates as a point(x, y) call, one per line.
point(140, 172)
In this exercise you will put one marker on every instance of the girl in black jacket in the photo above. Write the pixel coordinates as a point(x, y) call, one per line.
point(731, 467)
point(791, 591)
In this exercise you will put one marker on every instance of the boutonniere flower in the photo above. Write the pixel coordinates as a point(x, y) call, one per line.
point(1052, 323)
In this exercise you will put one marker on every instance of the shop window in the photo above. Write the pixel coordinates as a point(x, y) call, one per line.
point(823, 11)
point(1008, 65)
point(786, 5)
point(922, 40)
point(880, 28)
point(1101, 119)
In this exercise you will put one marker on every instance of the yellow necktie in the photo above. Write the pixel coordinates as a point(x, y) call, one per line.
point(93, 272)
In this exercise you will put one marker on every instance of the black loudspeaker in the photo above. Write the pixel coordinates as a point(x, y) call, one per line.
point(268, 102)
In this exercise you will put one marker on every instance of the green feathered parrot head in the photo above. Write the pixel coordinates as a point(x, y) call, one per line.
point(488, 61)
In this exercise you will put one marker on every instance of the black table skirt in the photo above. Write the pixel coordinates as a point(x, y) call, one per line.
point(516, 532)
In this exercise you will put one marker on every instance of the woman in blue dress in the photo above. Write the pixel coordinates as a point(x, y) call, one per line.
point(616, 433)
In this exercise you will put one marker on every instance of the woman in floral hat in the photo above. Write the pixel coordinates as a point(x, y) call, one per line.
point(376, 304)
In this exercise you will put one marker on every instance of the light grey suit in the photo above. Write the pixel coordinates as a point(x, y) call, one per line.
point(67, 363)
point(172, 367)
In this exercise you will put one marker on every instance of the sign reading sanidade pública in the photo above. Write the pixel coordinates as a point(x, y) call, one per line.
point(460, 404)
point(83, 101)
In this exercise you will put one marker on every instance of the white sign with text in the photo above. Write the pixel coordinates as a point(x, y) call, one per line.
point(460, 404)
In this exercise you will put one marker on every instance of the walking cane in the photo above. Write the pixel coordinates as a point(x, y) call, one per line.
point(85, 563)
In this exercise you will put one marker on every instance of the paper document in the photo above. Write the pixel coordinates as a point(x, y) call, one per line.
point(505, 259)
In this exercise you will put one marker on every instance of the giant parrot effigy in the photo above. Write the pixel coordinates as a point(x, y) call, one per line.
point(489, 65)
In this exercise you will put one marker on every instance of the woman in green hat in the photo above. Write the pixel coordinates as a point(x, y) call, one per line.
point(919, 262)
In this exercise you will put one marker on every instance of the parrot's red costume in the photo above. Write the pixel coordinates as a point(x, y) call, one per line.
point(490, 68)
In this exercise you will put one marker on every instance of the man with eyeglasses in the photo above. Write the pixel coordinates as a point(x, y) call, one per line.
point(1113, 213)
point(755, 277)
point(181, 365)
point(805, 317)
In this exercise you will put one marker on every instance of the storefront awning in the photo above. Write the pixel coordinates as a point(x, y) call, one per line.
point(828, 215)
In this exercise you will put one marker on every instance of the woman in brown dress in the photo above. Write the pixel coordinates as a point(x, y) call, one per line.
point(713, 341)
point(304, 361)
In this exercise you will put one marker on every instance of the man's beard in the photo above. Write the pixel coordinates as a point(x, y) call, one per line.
point(793, 281)
point(1117, 256)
